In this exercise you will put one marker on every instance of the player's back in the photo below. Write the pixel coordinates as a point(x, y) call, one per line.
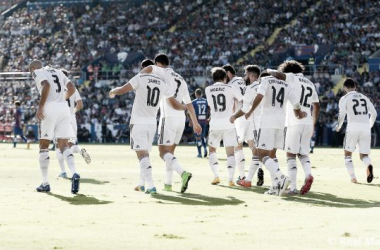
point(220, 98)
point(200, 106)
point(239, 83)
point(57, 80)
point(178, 86)
point(73, 100)
point(276, 94)
point(304, 90)
point(357, 107)
point(249, 96)
point(150, 89)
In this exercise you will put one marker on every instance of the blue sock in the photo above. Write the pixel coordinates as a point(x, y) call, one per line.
point(199, 146)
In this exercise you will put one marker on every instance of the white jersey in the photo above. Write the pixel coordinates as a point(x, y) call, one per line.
point(276, 94)
point(57, 80)
point(179, 87)
point(150, 90)
point(305, 92)
point(249, 96)
point(72, 102)
point(357, 107)
point(221, 98)
point(239, 83)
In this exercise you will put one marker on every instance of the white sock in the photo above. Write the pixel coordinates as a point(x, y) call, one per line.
point(146, 169)
point(231, 163)
point(68, 155)
point(61, 160)
point(367, 161)
point(255, 164)
point(142, 180)
point(214, 165)
point(272, 167)
point(240, 162)
point(75, 149)
point(169, 168)
point(306, 165)
point(350, 166)
point(44, 165)
point(292, 170)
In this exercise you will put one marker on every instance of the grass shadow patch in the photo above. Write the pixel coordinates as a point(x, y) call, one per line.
point(80, 199)
point(196, 200)
point(93, 181)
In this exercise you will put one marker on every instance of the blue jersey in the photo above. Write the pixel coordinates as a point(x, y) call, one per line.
point(201, 108)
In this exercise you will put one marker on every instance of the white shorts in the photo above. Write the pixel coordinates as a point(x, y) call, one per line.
point(56, 122)
point(270, 138)
point(75, 128)
point(357, 138)
point(170, 130)
point(142, 136)
point(244, 130)
point(297, 139)
point(228, 136)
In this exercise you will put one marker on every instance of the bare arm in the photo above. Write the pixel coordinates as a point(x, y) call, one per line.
point(147, 70)
point(316, 108)
point(79, 105)
point(121, 90)
point(176, 104)
point(44, 95)
point(238, 114)
point(276, 73)
point(70, 90)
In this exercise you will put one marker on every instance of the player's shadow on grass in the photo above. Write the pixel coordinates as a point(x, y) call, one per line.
point(80, 199)
point(317, 198)
point(91, 181)
point(196, 200)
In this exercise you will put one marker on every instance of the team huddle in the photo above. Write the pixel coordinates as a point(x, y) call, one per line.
point(269, 110)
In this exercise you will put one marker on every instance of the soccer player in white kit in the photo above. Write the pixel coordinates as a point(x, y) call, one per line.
point(252, 73)
point(221, 98)
point(55, 121)
point(150, 89)
point(75, 104)
point(361, 115)
point(298, 132)
point(172, 121)
point(274, 93)
point(241, 124)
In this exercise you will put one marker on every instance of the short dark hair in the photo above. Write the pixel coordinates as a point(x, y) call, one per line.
point(218, 74)
point(146, 62)
point(291, 66)
point(229, 68)
point(162, 58)
point(350, 83)
point(253, 69)
point(17, 103)
point(198, 92)
point(65, 72)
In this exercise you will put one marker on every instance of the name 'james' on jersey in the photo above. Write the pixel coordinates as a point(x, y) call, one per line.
point(221, 98)
point(57, 80)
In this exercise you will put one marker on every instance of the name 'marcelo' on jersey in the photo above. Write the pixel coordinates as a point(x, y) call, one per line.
point(305, 92)
point(179, 86)
point(73, 100)
point(249, 96)
point(276, 94)
point(57, 80)
point(361, 114)
point(201, 107)
point(150, 90)
point(221, 98)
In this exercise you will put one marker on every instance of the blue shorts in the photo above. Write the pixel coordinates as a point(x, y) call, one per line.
point(18, 131)
point(204, 131)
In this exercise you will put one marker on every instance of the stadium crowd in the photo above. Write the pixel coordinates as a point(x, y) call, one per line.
point(201, 34)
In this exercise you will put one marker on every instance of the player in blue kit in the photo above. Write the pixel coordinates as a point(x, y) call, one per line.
point(201, 111)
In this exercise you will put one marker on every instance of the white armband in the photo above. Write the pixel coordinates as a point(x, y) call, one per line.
point(297, 106)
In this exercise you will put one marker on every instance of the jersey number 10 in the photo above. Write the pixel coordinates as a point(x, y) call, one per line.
point(153, 96)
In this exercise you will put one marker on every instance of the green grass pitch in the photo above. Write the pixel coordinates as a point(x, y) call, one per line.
point(109, 214)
